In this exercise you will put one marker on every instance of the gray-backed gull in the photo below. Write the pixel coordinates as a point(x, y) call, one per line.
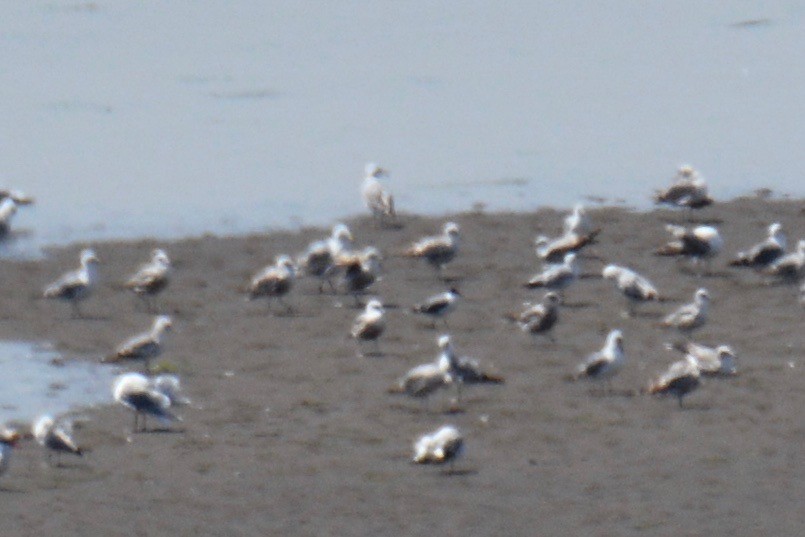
point(377, 199)
point(607, 362)
point(790, 266)
point(764, 253)
point(437, 250)
point(556, 277)
point(439, 306)
point(370, 324)
point(144, 346)
point(719, 361)
point(679, 380)
point(136, 392)
point(700, 243)
point(76, 285)
point(151, 278)
point(633, 286)
point(444, 445)
point(425, 379)
point(688, 190)
point(55, 438)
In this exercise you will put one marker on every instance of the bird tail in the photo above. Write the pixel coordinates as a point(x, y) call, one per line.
point(491, 378)
point(741, 260)
point(396, 388)
point(672, 248)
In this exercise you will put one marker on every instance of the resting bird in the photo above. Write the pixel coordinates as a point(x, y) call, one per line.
point(539, 319)
point(8, 439)
point(151, 278)
point(688, 190)
point(370, 324)
point(439, 306)
point(555, 250)
point(444, 445)
point(55, 438)
point(377, 199)
point(577, 222)
point(720, 361)
point(274, 281)
point(605, 363)
point(438, 250)
point(690, 316)
point(76, 285)
point(8, 208)
point(632, 285)
point(790, 266)
point(556, 277)
point(320, 257)
point(425, 379)
point(698, 244)
point(679, 380)
point(765, 253)
point(144, 346)
point(361, 271)
point(136, 392)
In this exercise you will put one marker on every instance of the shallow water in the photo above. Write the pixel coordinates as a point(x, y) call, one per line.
point(35, 380)
point(128, 119)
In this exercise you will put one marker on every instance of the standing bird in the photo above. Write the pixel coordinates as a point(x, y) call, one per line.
point(539, 319)
point(679, 380)
point(20, 198)
point(688, 190)
point(605, 363)
point(54, 438)
point(151, 278)
point(439, 306)
point(370, 325)
point(136, 392)
point(554, 251)
point(556, 277)
point(764, 253)
point(438, 250)
point(8, 439)
point(634, 287)
point(425, 379)
point(76, 285)
point(577, 222)
point(8, 208)
point(463, 370)
point(441, 446)
point(691, 316)
point(274, 281)
point(377, 199)
point(791, 266)
point(361, 271)
point(144, 346)
point(720, 361)
point(320, 257)
point(700, 243)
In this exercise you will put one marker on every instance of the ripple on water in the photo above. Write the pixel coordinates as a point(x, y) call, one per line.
point(35, 380)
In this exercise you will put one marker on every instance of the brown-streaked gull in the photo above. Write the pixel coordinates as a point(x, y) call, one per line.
point(274, 281)
point(538, 319)
point(319, 260)
point(633, 286)
point(151, 278)
point(690, 316)
point(719, 361)
point(437, 250)
point(680, 379)
point(76, 285)
point(144, 346)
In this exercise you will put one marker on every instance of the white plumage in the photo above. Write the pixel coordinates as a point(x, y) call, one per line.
point(139, 394)
point(605, 363)
point(76, 285)
point(446, 444)
point(54, 437)
point(690, 316)
point(437, 250)
point(151, 278)
point(556, 277)
point(633, 286)
point(146, 345)
point(377, 199)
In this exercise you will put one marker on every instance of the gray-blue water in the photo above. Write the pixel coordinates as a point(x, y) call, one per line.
point(34, 380)
point(130, 118)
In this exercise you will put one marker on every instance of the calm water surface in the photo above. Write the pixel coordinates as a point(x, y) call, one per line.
point(131, 119)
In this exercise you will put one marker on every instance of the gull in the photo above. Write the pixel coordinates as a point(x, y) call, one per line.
point(20, 198)
point(719, 361)
point(370, 324)
point(698, 243)
point(539, 319)
point(556, 277)
point(8, 439)
point(764, 253)
point(606, 363)
point(439, 306)
point(361, 271)
point(151, 278)
point(136, 392)
point(688, 190)
point(144, 346)
point(274, 281)
point(679, 380)
point(577, 222)
point(554, 250)
point(170, 386)
point(790, 266)
point(425, 379)
point(320, 257)
point(634, 287)
point(55, 438)
point(463, 370)
point(76, 285)
point(690, 316)
point(441, 446)
point(438, 250)
point(8, 208)
point(377, 199)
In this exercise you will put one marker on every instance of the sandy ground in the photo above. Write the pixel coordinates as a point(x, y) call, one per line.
point(291, 431)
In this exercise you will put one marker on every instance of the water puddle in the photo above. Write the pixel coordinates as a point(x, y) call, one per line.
point(35, 380)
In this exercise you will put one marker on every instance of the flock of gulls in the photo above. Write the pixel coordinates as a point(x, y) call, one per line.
point(336, 264)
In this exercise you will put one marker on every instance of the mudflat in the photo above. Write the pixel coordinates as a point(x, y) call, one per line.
point(292, 431)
